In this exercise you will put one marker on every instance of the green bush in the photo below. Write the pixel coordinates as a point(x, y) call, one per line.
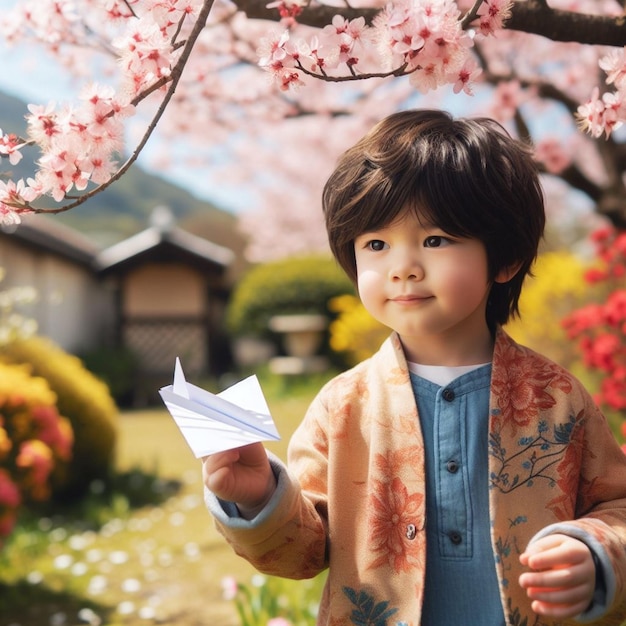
point(288, 286)
point(117, 367)
point(84, 400)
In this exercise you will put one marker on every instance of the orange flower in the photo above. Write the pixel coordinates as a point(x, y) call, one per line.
point(526, 388)
point(35, 456)
point(393, 511)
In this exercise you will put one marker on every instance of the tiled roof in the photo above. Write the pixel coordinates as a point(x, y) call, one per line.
point(46, 233)
point(163, 231)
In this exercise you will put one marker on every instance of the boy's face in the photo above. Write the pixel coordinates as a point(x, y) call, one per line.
point(430, 287)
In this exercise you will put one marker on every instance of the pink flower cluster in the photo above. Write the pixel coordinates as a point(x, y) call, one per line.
point(421, 38)
point(33, 440)
point(78, 141)
point(606, 113)
point(601, 328)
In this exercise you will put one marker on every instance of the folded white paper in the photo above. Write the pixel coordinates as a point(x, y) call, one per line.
point(213, 423)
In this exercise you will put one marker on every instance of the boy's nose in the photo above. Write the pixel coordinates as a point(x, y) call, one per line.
point(407, 267)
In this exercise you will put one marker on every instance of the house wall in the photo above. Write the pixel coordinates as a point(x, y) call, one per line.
point(165, 315)
point(71, 308)
point(158, 289)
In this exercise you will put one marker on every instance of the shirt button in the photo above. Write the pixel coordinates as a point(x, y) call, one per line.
point(455, 537)
point(411, 531)
point(452, 467)
point(448, 395)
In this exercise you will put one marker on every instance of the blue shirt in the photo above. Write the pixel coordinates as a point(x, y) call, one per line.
point(461, 580)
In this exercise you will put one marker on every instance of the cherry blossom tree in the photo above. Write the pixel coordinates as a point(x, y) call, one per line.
point(284, 87)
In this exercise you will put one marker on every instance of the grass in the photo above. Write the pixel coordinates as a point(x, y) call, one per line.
point(118, 561)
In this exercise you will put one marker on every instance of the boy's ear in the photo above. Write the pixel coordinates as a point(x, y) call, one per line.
point(506, 273)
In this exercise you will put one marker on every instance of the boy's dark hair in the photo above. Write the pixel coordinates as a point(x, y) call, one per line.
point(468, 177)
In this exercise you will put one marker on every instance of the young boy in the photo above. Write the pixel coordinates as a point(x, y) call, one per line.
point(455, 477)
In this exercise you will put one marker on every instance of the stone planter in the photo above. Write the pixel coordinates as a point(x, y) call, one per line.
point(251, 351)
point(302, 334)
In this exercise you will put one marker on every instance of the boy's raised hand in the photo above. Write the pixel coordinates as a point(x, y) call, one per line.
point(243, 476)
point(563, 577)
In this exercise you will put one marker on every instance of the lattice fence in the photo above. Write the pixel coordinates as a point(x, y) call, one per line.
point(157, 343)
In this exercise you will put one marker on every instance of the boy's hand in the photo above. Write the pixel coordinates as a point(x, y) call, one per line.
point(243, 476)
point(563, 579)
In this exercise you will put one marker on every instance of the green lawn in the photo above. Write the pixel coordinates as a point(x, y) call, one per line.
point(149, 565)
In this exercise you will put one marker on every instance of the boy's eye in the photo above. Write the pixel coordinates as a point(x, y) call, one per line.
point(376, 245)
point(435, 241)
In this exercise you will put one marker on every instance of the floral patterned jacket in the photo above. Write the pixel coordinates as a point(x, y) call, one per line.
point(353, 496)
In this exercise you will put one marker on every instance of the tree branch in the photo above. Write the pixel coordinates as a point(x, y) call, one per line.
point(528, 16)
point(537, 18)
point(173, 79)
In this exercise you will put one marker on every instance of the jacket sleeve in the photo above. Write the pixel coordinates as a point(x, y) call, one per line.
point(289, 537)
point(601, 510)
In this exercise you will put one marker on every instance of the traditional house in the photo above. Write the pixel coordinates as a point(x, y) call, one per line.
point(161, 293)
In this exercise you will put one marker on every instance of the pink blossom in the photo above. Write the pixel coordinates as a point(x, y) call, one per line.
point(288, 79)
point(316, 57)
point(344, 36)
point(42, 123)
point(493, 14)
point(272, 52)
point(288, 9)
point(426, 37)
point(117, 10)
point(466, 75)
point(279, 57)
point(279, 621)
point(16, 194)
point(614, 64)
point(53, 430)
point(507, 97)
point(9, 216)
point(230, 587)
point(601, 115)
point(146, 54)
point(9, 492)
point(61, 172)
point(551, 152)
point(170, 12)
point(10, 146)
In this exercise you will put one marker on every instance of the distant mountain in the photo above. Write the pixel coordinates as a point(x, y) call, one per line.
point(125, 207)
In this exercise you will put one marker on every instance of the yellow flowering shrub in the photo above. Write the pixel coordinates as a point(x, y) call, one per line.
point(86, 402)
point(557, 288)
point(354, 333)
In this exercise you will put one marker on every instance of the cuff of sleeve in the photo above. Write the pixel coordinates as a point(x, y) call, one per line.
point(604, 593)
point(227, 514)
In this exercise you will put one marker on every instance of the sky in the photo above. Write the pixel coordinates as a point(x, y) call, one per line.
point(37, 79)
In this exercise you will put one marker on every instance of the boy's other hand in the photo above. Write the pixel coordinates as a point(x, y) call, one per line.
point(243, 476)
point(563, 577)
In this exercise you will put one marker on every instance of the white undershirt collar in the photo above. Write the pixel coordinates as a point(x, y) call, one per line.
point(442, 374)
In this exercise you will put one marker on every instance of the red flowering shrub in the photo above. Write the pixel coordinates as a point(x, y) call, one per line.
point(600, 329)
point(34, 439)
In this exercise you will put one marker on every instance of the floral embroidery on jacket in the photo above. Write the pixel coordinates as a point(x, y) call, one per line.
point(525, 386)
point(368, 612)
point(537, 456)
point(393, 510)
